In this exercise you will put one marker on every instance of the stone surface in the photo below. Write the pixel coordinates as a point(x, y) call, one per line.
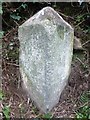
point(46, 47)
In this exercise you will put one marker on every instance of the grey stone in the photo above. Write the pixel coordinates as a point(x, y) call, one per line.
point(46, 48)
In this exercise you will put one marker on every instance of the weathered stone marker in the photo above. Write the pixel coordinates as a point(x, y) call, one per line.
point(46, 47)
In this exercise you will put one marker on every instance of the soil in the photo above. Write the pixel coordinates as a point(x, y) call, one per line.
point(17, 98)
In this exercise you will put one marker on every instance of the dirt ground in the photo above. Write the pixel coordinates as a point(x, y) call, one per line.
point(69, 100)
point(15, 96)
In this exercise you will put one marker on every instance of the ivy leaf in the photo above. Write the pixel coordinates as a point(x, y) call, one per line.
point(15, 17)
point(24, 5)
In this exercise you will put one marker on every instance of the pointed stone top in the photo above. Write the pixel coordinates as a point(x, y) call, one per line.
point(49, 14)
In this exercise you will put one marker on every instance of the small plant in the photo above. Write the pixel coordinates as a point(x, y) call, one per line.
point(47, 116)
point(84, 111)
point(15, 16)
point(85, 97)
point(82, 21)
point(24, 5)
point(6, 108)
point(79, 18)
point(6, 112)
point(82, 17)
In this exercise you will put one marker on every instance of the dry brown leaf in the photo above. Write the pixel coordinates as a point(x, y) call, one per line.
point(77, 43)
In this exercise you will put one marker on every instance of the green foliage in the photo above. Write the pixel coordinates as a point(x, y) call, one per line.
point(82, 17)
point(1, 95)
point(1, 34)
point(84, 111)
point(21, 110)
point(5, 109)
point(6, 112)
point(79, 55)
point(47, 116)
point(15, 16)
point(85, 97)
point(34, 109)
point(24, 5)
point(87, 29)
point(81, 20)
point(1, 12)
point(13, 53)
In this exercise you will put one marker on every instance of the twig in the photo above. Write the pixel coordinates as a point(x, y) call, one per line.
point(80, 61)
point(66, 15)
point(16, 23)
point(85, 42)
point(6, 23)
point(19, 82)
point(9, 32)
point(83, 105)
point(88, 9)
point(79, 23)
point(13, 64)
point(4, 63)
point(17, 96)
